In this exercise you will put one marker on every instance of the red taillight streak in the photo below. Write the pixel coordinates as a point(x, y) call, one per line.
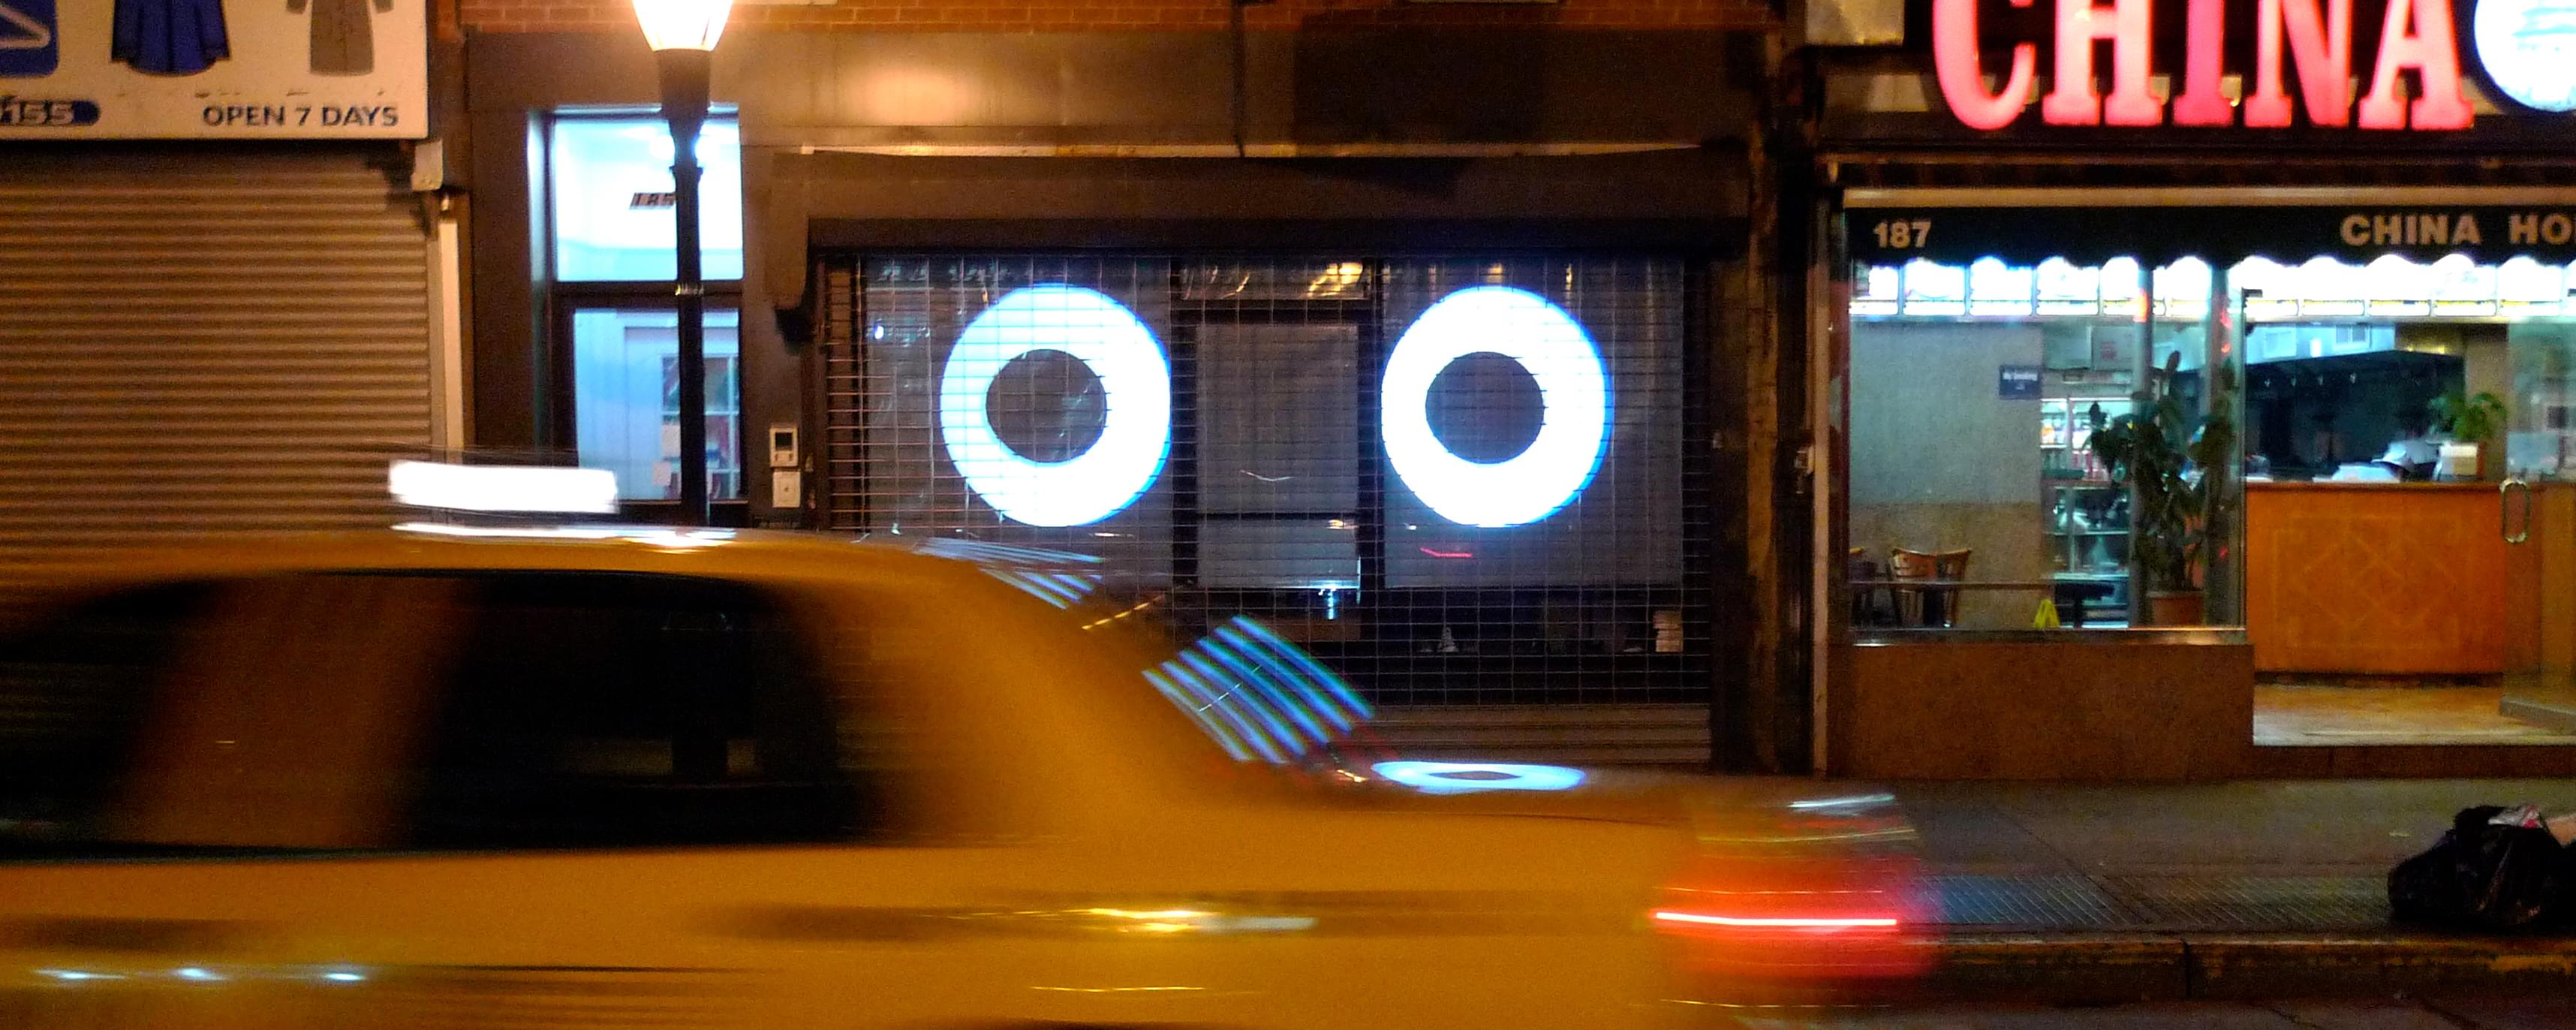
point(1780, 922)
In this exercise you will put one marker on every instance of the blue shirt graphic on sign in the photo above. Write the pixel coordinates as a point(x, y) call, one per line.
point(170, 37)
point(28, 49)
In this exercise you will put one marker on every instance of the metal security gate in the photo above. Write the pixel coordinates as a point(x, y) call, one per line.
point(1524, 525)
point(195, 342)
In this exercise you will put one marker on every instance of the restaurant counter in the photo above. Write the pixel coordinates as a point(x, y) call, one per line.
point(2375, 579)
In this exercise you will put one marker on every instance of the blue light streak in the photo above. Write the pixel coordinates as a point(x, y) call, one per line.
point(1257, 694)
point(1467, 777)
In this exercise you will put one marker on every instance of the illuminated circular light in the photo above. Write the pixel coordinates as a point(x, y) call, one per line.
point(1462, 777)
point(2528, 50)
point(1574, 400)
point(1102, 334)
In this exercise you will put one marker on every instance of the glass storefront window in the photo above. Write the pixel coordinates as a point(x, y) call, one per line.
point(626, 402)
point(2320, 370)
point(1978, 497)
point(612, 237)
point(611, 184)
point(2451, 289)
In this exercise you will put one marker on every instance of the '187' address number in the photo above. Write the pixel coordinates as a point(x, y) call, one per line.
point(1903, 234)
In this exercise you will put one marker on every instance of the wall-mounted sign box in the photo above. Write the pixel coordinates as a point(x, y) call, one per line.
point(2487, 234)
point(208, 69)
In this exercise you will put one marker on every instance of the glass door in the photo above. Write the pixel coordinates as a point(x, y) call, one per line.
point(626, 398)
point(2537, 517)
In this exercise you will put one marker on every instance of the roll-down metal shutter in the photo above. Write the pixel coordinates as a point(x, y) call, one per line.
point(1581, 637)
point(195, 343)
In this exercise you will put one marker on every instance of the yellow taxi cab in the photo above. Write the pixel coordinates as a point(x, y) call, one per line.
point(451, 775)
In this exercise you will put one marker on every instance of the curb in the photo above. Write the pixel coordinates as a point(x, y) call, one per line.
point(2105, 969)
point(2058, 968)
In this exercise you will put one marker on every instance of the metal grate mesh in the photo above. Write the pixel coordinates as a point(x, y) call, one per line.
point(2170, 903)
point(195, 348)
point(1500, 542)
point(2057, 902)
point(2234, 903)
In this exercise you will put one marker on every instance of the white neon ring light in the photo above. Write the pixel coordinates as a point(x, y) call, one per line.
point(2525, 54)
point(1574, 402)
point(1445, 778)
point(1137, 380)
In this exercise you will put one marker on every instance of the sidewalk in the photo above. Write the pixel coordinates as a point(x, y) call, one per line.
point(2081, 893)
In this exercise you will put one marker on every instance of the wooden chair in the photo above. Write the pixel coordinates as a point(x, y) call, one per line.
point(1927, 606)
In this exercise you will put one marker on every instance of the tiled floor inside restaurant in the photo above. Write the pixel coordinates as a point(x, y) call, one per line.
point(2294, 715)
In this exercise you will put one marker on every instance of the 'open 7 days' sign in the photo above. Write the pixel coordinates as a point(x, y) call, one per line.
point(213, 69)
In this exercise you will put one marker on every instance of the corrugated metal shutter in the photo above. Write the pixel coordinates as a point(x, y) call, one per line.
point(195, 343)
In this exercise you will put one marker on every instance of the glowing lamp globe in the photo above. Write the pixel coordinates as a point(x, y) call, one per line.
point(683, 24)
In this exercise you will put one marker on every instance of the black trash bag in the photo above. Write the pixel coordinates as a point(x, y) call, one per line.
point(2484, 875)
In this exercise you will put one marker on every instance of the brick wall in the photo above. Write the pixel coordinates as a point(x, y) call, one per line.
point(1125, 15)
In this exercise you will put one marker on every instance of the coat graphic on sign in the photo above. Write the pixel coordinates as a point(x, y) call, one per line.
point(170, 37)
point(344, 34)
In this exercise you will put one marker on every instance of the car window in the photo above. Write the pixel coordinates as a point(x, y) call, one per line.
point(619, 710)
point(305, 692)
point(75, 691)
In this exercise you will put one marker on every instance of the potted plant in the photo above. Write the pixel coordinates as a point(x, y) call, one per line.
point(2179, 478)
point(2472, 420)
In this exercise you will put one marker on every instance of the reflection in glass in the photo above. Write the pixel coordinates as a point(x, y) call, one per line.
point(610, 182)
point(2339, 363)
point(1953, 450)
point(626, 399)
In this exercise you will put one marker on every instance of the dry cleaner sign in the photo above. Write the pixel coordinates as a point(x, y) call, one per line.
point(213, 69)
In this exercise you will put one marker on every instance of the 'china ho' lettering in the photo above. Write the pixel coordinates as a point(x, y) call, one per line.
point(2553, 229)
point(2412, 229)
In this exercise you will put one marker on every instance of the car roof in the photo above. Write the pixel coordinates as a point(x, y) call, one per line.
point(723, 553)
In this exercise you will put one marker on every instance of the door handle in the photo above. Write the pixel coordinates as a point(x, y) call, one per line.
point(2504, 517)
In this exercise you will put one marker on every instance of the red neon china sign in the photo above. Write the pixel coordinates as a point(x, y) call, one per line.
point(2416, 35)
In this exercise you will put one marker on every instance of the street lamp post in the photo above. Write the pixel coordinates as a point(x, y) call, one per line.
point(683, 35)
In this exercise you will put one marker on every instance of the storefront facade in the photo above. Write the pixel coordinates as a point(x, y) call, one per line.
point(226, 306)
point(1441, 366)
point(2317, 239)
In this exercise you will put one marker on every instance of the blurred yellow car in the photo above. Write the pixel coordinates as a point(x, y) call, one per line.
point(487, 775)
